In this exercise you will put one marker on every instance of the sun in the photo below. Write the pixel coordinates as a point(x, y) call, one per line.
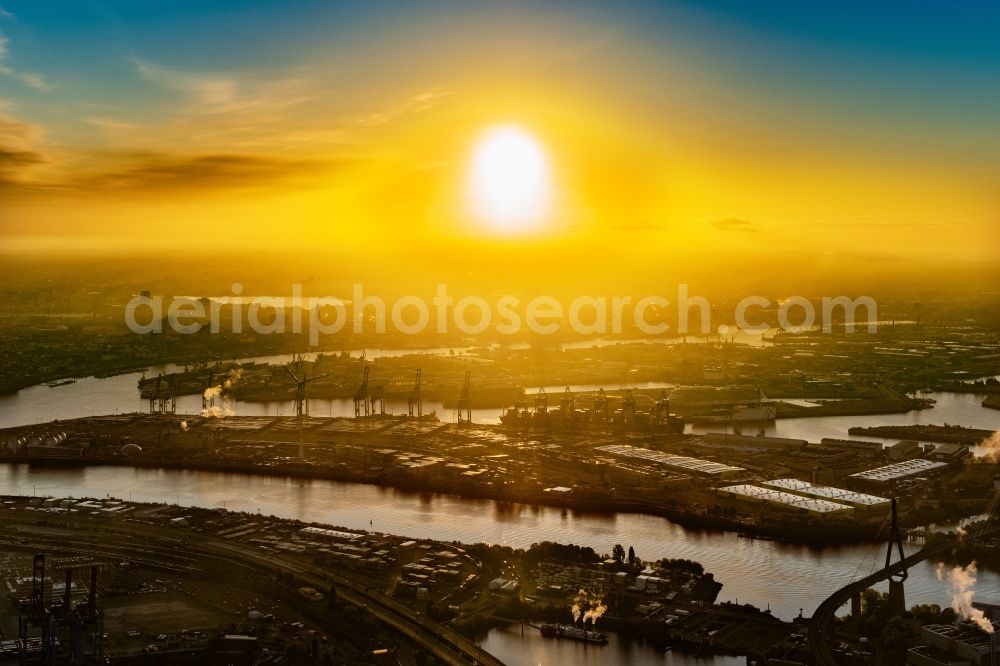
point(509, 181)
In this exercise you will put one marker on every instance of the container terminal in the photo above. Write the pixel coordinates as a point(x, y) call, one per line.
point(688, 478)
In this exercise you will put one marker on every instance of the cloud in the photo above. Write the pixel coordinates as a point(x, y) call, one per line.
point(600, 41)
point(110, 123)
point(214, 93)
point(734, 224)
point(207, 89)
point(29, 167)
point(33, 80)
point(27, 78)
point(891, 225)
point(415, 104)
point(639, 225)
point(146, 172)
point(16, 133)
point(6, 14)
point(19, 151)
point(18, 158)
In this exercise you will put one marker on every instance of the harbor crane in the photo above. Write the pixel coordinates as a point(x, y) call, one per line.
point(361, 396)
point(378, 397)
point(464, 400)
point(165, 399)
point(541, 401)
point(629, 406)
point(662, 407)
point(66, 621)
point(601, 406)
point(415, 401)
point(207, 402)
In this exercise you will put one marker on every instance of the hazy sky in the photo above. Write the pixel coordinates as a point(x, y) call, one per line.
point(864, 128)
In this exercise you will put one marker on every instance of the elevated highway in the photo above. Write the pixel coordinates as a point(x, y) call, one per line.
point(820, 629)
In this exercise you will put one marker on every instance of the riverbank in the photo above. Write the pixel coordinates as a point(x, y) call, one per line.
point(946, 434)
point(674, 593)
point(805, 531)
point(755, 571)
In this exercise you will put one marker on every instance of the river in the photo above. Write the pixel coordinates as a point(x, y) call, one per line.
point(89, 396)
point(784, 577)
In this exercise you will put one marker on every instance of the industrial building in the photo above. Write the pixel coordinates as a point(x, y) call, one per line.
point(953, 454)
point(676, 463)
point(855, 499)
point(329, 535)
point(726, 439)
point(859, 447)
point(785, 500)
point(904, 450)
point(960, 643)
point(900, 470)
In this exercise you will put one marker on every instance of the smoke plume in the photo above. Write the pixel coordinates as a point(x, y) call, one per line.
point(581, 597)
point(217, 411)
point(990, 448)
point(588, 607)
point(232, 377)
point(962, 580)
point(227, 408)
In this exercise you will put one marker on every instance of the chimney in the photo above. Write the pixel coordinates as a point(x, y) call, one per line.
point(92, 597)
point(68, 596)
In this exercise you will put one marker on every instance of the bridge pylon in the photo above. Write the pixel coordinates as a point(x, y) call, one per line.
point(897, 596)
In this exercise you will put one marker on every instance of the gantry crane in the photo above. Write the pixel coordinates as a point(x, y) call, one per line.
point(361, 396)
point(415, 400)
point(465, 401)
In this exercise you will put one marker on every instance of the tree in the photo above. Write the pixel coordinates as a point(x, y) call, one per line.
point(631, 555)
point(898, 636)
point(927, 613)
point(618, 553)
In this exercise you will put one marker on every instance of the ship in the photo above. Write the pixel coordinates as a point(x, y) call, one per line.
point(736, 414)
point(626, 410)
point(575, 633)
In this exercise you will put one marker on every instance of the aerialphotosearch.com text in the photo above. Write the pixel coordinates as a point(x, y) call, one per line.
point(651, 315)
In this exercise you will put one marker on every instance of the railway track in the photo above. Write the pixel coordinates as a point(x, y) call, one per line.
point(444, 643)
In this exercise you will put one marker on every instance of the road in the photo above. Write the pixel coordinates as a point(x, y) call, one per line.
point(820, 631)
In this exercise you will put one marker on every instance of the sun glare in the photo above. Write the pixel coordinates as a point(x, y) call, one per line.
point(509, 184)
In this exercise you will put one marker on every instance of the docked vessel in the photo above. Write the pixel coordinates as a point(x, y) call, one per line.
point(744, 413)
point(572, 632)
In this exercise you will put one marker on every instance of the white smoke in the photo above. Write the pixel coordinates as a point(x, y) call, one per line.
point(588, 607)
point(581, 597)
point(227, 407)
point(211, 410)
point(595, 612)
point(991, 448)
point(232, 377)
point(962, 580)
point(219, 411)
